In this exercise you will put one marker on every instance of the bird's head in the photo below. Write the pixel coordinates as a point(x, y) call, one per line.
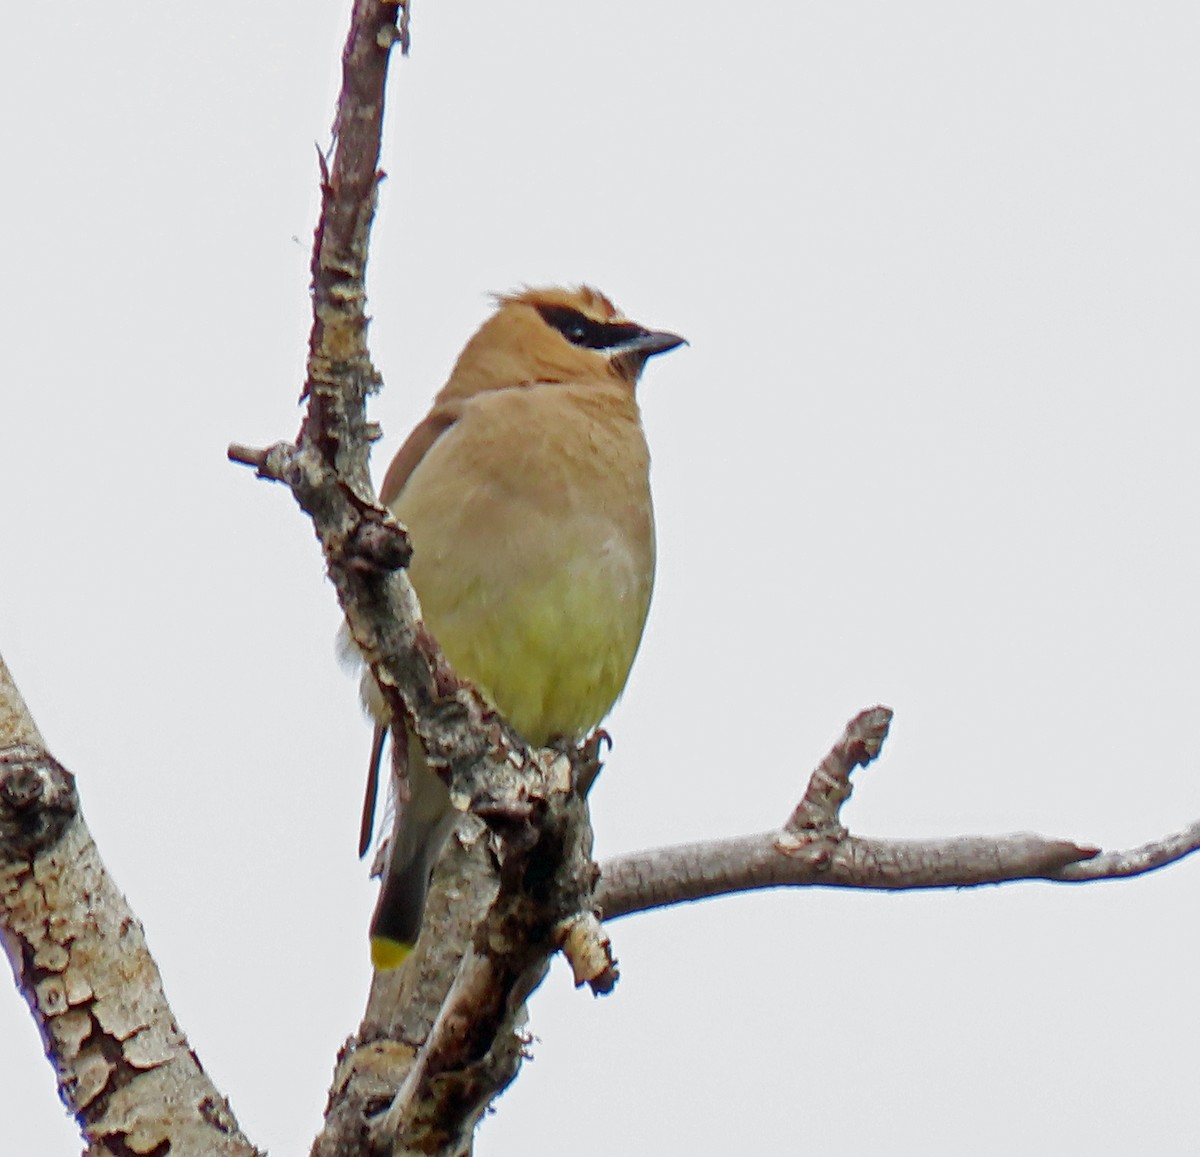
point(556, 335)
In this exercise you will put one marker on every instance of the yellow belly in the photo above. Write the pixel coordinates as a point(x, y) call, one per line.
point(552, 655)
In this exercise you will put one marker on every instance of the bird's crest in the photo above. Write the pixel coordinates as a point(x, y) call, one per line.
point(590, 302)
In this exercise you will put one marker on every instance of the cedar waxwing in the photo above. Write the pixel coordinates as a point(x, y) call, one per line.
point(526, 494)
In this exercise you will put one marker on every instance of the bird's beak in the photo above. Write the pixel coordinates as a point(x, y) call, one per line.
point(630, 356)
point(652, 342)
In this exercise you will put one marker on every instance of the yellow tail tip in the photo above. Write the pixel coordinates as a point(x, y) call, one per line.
point(387, 954)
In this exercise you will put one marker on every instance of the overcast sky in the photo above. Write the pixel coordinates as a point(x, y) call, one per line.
point(933, 445)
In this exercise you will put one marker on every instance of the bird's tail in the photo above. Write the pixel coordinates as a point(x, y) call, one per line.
point(423, 821)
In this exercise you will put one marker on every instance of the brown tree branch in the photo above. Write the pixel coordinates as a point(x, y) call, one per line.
point(812, 849)
point(444, 1035)
point(79, 956)
point(1134, 862)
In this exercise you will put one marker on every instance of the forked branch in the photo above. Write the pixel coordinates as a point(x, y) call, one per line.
point(813, 849)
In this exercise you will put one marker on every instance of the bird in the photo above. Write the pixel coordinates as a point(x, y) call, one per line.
point(526, 495)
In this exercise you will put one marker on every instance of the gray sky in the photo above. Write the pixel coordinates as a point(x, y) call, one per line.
point(933, 445)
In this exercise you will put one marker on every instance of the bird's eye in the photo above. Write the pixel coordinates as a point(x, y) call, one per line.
point(572, 324)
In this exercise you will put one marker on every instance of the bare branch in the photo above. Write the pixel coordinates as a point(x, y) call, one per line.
point(812, 849)
point(587, 947)
point(79, 956)
point(816, 814)
point(269, 463)
point(17, 728)
point(492, 947)
point(1134, 862)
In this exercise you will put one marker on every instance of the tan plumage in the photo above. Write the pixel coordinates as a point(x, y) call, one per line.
point(526, 494)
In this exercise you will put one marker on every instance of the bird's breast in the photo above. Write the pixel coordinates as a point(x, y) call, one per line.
point(533, 559)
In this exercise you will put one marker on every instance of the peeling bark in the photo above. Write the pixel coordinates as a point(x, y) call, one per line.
point(79, 956)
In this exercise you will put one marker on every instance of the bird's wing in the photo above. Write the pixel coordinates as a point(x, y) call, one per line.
point(415, 447)
point(367, 827)
point(408, 457)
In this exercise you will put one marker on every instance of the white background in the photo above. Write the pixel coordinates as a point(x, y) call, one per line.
point(933, 445)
